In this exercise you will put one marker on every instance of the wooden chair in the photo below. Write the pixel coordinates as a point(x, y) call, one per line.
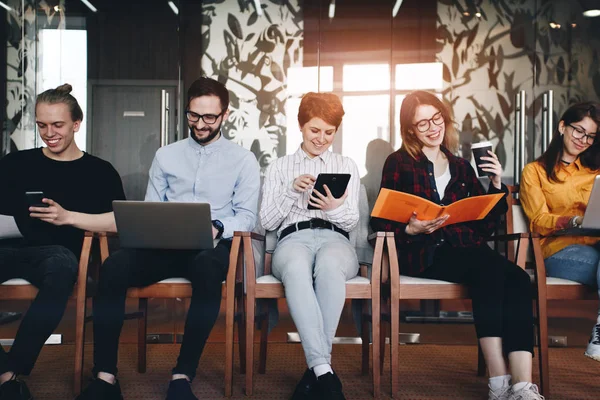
point(181, 288)
point(410, 288)
point(266, 286)
point(20, 289)
point(546, 288)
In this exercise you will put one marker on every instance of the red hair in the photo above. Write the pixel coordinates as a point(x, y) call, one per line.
point(326, 106)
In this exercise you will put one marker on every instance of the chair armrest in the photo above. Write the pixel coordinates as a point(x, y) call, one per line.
point(252, 235)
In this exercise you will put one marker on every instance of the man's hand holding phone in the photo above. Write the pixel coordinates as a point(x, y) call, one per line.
point(47, 210)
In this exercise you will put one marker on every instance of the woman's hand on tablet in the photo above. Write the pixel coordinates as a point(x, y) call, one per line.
point(303, 183)
point(328, 202)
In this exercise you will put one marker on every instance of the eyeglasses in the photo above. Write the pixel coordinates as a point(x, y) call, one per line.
point(207, 118)
point(579, 133)
point(425, 124)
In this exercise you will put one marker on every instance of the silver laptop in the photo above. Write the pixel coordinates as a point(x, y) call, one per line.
point(163, 225)
point(590, 226)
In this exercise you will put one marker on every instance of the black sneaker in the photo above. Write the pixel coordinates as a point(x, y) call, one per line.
point(101, 390)
point(330, 387)
point(14, 390)
point(180, 389)
point(306, 389)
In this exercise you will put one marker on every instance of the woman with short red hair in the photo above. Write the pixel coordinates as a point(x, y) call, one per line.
point(313, 257)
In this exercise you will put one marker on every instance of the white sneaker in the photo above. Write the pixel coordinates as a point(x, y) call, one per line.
point(593, 348)
point(529, 392)
point(500, 394)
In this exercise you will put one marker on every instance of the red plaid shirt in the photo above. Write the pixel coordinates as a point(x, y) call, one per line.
point(403, 173)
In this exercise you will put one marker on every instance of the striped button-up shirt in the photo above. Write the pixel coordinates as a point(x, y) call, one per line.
point(283, 206)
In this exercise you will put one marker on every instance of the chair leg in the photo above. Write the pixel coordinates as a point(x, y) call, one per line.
point(382, 336)
point(250, 312)
point(366, 340)
point(142, 323)
point(481, 366)
point(242, 334)
point(394, 347)
point(542, 313)
point(264, 342)
point(79, 342)
point(376, 327)
point(229, 322)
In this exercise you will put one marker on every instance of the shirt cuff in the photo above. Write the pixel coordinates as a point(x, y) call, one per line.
point(336, 212)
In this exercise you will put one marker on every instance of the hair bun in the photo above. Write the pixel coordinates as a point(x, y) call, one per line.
point(65, 88)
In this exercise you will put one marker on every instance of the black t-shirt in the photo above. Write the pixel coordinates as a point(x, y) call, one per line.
point(87, 185)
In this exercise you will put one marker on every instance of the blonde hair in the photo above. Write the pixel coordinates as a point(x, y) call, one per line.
point(61, 94)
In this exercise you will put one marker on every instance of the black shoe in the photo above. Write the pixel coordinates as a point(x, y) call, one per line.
point(330, 387)
point(306, 389)
point(101, 390)
point(180, 389)
point(14, 390)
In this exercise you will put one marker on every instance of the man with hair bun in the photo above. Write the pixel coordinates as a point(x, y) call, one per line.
point(78, 190)
point(314, 257)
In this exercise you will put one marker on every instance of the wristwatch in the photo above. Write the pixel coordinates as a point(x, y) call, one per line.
point(219, 227)
point(574, 223)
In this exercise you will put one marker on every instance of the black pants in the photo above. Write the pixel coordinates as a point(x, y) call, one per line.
point(53, 270)
point(501, 292)
point(127, 268)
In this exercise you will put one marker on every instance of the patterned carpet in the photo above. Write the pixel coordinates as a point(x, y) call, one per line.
point(427, 372)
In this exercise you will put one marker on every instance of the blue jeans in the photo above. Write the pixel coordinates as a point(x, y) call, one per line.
point(314, 265)
point(576, 262)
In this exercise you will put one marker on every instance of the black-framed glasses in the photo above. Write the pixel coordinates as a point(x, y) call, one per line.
point(207, 118)
point(579, 133)
point(425, 124)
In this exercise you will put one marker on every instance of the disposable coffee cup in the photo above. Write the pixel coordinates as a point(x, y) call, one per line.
point(481, 150)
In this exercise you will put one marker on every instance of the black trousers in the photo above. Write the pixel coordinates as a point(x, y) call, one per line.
point(501, 292)
point(53, 270)
point(127, 268)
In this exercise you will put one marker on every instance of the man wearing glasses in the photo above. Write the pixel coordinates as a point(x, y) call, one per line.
point(206, 168)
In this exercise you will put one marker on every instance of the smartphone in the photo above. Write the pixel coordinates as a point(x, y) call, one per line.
point(34, 199)
point(337, 184)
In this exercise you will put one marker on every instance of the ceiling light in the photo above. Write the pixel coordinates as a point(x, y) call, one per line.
point(573, 25)
point(173, 7)
point(89, 5)
point(332, 9)
point(258, 7)
point(478, 14)
point(591, 13)
point(397, 6)
point(57, 8)
point(7, 8)
point(467, 14)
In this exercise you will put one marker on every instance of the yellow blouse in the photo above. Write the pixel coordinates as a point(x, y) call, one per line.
point(550, 205)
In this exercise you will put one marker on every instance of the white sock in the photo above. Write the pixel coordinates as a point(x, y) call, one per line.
point(322, 369)
point(499, 382)
point(520, 386)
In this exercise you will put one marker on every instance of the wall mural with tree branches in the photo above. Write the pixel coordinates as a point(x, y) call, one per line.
point(250, 51)
point(510, 47)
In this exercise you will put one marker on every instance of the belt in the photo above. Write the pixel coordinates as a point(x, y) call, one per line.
point(315, 223)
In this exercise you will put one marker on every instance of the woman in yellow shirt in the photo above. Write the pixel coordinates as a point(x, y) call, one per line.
point(555, 190)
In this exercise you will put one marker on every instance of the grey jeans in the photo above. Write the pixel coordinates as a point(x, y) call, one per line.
point(314, 265)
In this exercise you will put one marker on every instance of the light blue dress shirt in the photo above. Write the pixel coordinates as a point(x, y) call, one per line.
point(222, 173)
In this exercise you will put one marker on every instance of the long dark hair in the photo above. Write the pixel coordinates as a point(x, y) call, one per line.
point(590, 158)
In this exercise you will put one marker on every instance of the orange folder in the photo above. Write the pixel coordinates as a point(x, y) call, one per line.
point(399, 206)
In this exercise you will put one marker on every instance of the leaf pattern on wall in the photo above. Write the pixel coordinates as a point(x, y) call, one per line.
point(23, 24)
point(251, 54)
point(488, 60)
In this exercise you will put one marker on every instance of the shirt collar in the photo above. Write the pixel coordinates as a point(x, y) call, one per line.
point(209, 148)
point(300, 155)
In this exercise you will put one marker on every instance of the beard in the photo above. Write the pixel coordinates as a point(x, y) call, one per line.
point(213, 134)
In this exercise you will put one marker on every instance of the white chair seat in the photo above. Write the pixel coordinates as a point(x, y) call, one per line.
point(411, 280)
point(174, 280)
point(357, 280)
point(553, 281)
point(16, 282)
